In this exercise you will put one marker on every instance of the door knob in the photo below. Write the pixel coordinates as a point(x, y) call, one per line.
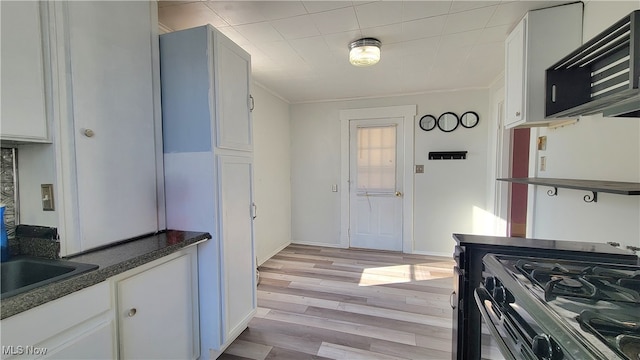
point(88, 132)
point(132, 312)
point(398, 194)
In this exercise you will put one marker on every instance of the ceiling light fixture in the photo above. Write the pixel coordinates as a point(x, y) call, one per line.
point(364, 52)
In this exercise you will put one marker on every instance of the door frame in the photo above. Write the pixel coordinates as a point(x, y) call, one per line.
point(408, 114)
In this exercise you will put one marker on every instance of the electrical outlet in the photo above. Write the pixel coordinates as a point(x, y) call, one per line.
point(543, 163)
point(334, 187)
point(419, 169)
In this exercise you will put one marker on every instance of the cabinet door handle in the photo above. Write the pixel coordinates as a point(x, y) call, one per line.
point(132, 312)
point(88, 132)
point(252, 103)
point(517, 113)
point(255, 211)
point(453, 306)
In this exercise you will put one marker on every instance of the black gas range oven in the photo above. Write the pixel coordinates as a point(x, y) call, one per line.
point(544, 308)
point(469, 274)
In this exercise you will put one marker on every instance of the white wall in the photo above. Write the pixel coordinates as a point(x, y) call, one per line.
point(449, 197)
point(36, 166)
point(595, 148)
point(272, 170)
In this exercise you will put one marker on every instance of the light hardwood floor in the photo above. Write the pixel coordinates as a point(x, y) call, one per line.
point(327, 303)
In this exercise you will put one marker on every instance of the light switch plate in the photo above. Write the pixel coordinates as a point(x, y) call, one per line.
point(46, 191)
point(419, 169)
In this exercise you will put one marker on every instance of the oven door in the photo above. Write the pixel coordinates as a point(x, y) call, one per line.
point(504, 330)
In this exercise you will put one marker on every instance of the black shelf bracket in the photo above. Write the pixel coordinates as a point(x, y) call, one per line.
point(591, 198)
point(553, 192)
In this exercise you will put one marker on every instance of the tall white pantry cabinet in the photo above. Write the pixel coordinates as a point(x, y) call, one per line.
point(208, 163)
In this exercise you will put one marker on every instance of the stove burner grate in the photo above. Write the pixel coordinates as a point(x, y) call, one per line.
point(568, 286)
point(623, 336)
point(590, 282)
point(629, 345)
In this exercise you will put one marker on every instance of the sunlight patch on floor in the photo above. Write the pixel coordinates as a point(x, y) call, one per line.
point(396, 274)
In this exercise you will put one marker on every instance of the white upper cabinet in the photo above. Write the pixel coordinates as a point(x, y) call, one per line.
point(107, 133)
point(233, 118)
point(515, 75)
point(539, 40)
point(23, 114)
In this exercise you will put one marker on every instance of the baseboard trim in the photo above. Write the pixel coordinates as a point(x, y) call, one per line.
point(313, 243)
point(273, 253)
point(433, 253)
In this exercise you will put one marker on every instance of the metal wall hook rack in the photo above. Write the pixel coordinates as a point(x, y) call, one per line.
point(553, 192)
point(447, 155)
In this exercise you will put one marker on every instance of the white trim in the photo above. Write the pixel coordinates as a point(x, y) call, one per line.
point(157, 116)
point(431, 253)
point(531, 189)
point(273, 253)
point(390, 95)
point(265, 88)
point(315, 243)
point(408, 113)
point(164, 29)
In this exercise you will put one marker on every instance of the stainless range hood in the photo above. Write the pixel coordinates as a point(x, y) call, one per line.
point(602, 76)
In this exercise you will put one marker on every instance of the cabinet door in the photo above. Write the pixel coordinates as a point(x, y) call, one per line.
point(94, 344)
point(23, 109)
point(515, 52)
point(232, 79)
point(112, 92)
point(79, 325)
point(238, 268)
point(156, 312)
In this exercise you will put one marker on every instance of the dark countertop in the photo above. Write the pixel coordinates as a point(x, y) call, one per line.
point(112, 260)
point(561, 245)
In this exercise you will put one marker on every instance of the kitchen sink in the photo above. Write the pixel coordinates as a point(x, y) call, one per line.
point(25, 273)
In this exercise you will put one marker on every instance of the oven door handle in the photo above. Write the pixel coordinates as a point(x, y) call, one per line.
point(481, 295)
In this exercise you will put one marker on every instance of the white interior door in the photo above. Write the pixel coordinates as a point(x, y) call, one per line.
point(375, 183)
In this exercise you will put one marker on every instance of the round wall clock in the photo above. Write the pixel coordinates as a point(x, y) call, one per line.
point(427, 122)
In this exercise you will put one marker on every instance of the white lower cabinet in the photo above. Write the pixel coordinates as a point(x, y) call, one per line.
point(158, 309)
point(235, 174)
point(149, 312)
point(78, 326)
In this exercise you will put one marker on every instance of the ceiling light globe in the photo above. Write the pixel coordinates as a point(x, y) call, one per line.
point(364, 52)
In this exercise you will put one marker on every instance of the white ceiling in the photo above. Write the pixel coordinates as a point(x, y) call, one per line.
point(299, 48)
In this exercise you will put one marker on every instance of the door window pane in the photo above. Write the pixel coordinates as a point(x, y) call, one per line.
point(376, 158)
